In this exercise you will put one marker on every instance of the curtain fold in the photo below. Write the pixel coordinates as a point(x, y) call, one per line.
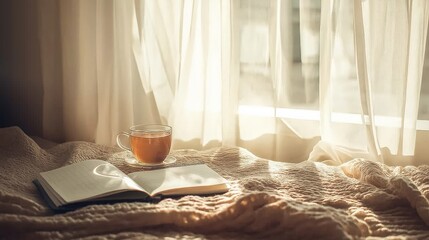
point(51, 63)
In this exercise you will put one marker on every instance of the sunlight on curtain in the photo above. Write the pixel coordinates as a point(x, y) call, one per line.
point(204, 76)
point(385, 41)
point(271, 76)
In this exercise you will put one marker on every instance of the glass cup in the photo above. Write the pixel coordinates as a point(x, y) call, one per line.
point(149, 144)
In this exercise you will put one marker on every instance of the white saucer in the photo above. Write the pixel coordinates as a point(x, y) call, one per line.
point(130, 160)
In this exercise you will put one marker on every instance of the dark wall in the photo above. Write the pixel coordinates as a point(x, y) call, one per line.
point(21, 89)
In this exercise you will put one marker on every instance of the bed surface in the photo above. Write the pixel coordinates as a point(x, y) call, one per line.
point(267, 200)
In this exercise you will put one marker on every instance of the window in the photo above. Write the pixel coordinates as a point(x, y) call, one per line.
point(297, 95)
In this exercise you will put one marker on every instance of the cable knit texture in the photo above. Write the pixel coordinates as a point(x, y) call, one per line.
point(267, 200)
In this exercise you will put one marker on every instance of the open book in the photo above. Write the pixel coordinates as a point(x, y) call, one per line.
point(95, 181)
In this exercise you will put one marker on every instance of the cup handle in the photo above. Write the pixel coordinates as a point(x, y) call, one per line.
point(118, 141)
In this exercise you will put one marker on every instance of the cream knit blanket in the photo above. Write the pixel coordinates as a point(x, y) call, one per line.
point(267, 200)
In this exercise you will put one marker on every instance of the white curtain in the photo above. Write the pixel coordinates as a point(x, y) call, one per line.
point(377, 49)
point(244, 73)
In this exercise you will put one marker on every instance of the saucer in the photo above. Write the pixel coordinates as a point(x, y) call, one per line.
point(130, 160)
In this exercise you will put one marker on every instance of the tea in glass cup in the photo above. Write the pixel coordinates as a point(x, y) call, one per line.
point(149, 144)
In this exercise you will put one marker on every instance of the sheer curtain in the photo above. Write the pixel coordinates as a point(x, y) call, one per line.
point(376, 48)
point(92, 86)
point(271, 76)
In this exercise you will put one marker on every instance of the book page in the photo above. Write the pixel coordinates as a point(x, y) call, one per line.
point(193, 179)
point(87, 180)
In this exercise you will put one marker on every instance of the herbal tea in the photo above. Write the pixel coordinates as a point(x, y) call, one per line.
point(148, 143)
point(150, 147)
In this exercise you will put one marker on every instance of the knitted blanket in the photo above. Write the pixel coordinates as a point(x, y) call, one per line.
point(267, 199)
